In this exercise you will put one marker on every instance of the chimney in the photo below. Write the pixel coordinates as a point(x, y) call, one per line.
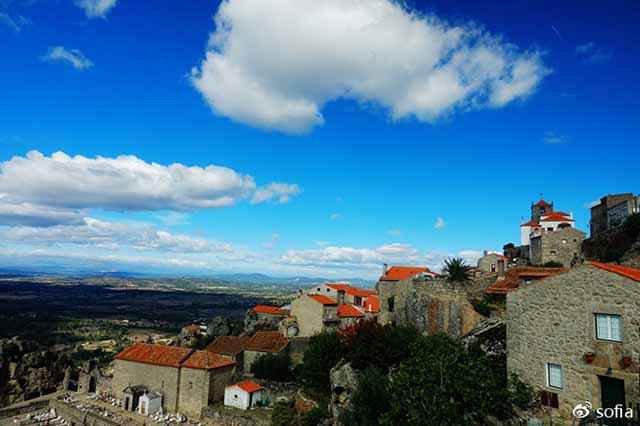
point(500, 269)
point(384, 270)
point(486, 252)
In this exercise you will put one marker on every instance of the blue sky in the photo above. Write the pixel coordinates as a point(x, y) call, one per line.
point(461, 113)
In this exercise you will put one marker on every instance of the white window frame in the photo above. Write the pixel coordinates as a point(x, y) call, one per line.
point(554, 385)
point(608, 324)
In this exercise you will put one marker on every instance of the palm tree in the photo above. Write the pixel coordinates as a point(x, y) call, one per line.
point(456, 271)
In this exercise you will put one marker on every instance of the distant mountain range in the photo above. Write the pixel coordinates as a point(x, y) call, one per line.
point(246, 278)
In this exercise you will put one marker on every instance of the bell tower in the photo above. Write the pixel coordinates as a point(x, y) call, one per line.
point(540, 208)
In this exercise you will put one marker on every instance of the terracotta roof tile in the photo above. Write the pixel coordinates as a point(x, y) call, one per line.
point(372, 304)
point(349, 311)
point(338, 286)
point(323, 299)
point(167, 356)
point(205, 360)
point(262, 309)
point(513, 276)
point(171, 356)
point(267, 341)
point(360, 292)
point(397, 273)
point(556, 213)
point(192, 327)
point(625, 271)
point(228, 345)
point(247, 386)
point(542, 203)
point(531, 223)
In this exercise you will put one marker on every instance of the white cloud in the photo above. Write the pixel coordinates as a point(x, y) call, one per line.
point(591, 204)
point(593, 54)
point(174, 218)
point(111, 235)
point(14, 23)
point(280, 193)
point(124, 183)
point(393, 232)
point(322, 243)
point(553, 138)
point(15, 214)
point(271, 244)
point(96, 8)
point(335, 216)
point(274, 64)
point(349, 256)
point(73, 57)
point(440, 224)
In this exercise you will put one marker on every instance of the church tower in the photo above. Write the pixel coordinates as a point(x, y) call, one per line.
point(540, 208)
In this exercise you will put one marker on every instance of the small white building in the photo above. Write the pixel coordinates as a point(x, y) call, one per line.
point(244, 395)
point(150, 403)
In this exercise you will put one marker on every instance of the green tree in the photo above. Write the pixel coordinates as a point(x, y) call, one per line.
point(324, 351)
point(272, 367)
point(457, 271)
point(369, 344)
point(446, 384)
point(370, 401)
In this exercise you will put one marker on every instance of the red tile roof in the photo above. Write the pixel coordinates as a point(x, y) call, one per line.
point(498, 255)
point(262, 309)
point(625, 271)
point(372, 304)
point(267, 341)
point(513, 277)
point(205, 360)
point(247, 386)
point(397, 273)
point(349, 311)
point(531, 223)
point(542, 203)
point(167, 356)
point(558, 213)
point(171, 356)
point(228, 345)
point(338, 286)
point(323, 299)
point(556, 218)
point(360, 292)
point(192, 327)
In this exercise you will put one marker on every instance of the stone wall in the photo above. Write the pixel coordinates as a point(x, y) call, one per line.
point(157, 378)
point(553, 321)
point(23, 408)
point(309, 315)
point(430, 305)
point(561, 245)
point(80, 417)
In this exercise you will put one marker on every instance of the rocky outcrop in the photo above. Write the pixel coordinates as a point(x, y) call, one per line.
point(221, 326)
point(632, 257)
point(26, 372)
point(344, 381)
point(254, 323)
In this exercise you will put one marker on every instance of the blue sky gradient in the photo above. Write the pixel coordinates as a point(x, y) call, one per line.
point(366, 180)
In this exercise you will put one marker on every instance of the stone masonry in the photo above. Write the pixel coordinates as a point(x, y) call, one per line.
point(553, 321)
point(562, 246)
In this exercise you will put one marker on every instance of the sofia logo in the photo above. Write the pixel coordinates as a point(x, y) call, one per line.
point(582, 410)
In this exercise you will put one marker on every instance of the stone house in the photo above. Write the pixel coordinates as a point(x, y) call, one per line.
point(270, 313)
point(563, 246)
point(91, 379)
point(490, 262)
point(349, 314)
point(334, 291)
point(190, 331)
point(230, 347)
point(263, 343)
point(357, 296)
point(515, 277)
point(314, 313)
point(187, 379)
point(612, 210)
point(576, 336)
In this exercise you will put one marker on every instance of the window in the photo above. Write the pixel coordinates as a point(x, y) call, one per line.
point(553, 252)
point(549, 399)
point(554, 376)
point(564, 241)
point(609, 327)
point(328, 290)
point(550, 229)
point(493, 267)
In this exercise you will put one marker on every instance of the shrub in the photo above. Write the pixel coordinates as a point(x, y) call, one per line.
point(369, 344)
point(324, 351)
point(272, 367)
point(446, 384)
point(314, 416)
point(282, 414)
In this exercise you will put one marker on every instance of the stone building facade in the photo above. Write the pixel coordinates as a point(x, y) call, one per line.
point(430, 304)
point(612, 210)
point(572, 335)
point(490, 263)
point(263, 343)
point(314, 313)
point(563, 245)
point(187, 379)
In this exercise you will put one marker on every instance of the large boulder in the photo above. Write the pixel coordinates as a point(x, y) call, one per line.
point(220, 326)
point(344, 381)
